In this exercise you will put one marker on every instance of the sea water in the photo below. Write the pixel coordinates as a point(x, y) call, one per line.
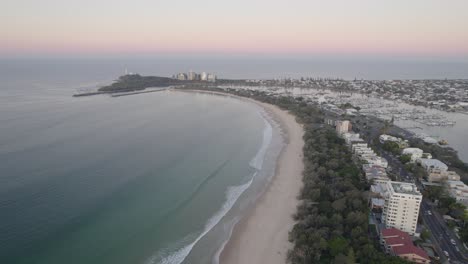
point(150, 178)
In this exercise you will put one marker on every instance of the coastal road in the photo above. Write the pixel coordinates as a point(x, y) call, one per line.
point(442, 235)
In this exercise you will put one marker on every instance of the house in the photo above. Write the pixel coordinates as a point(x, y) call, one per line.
point(437, 175)
point(387, 138)
point(384, 138)
point(378, 161)
point(400, 244)
point(375, 173)
point(459, 191)
point(351, 138)
point(429, 164)
point(415, 153)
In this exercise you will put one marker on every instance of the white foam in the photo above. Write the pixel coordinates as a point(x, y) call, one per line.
point(233, 193)
point(257, 161)
point(216, 256)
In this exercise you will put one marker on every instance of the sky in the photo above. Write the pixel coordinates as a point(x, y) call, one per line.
point(295, 27)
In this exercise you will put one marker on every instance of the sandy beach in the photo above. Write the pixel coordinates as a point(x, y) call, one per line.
point(262, 235)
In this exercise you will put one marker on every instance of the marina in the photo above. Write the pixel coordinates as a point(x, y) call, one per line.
point(440, 125)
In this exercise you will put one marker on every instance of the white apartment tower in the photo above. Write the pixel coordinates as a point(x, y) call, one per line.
point(192, 76)
point(204, 76)
point(402, 203)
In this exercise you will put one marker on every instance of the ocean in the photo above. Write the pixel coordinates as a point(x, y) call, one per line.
point(150, 178)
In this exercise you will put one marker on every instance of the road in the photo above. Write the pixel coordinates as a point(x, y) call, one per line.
point(434, 222)
point(442, 234)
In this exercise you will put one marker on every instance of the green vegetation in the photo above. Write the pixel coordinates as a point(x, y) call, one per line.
point(405, 158)
point(434, 192)
point(445, 154)
point(392, 147)
point(137, 82)
point(449, 206)
point(425, 234)
point(464, 233)
point(416, 169)
point(332, 218)
point(348, 105)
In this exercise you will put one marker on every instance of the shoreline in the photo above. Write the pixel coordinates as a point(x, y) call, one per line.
point(261, 236)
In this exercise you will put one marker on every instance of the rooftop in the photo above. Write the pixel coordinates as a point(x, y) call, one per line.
point(410, 249)
point(401, 243)
point(433, 163)
point(391, 232)
point(412, 151)
point(405, 188)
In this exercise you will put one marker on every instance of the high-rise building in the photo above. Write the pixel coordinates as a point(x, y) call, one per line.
point(402, 203)
point(181, 76)
point(192, 76)
point(343, 126)
point(204, 76)
point(211, 77)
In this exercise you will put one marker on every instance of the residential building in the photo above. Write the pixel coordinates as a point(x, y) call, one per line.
point(402, 203)
point(384, 138)
point(415, 153)
point(437, 175)
point(400, 244)
point(358, 146)
point(459, 191)
point(211, 77)
point(181, 76)
point(377, 161)
point(374, 172)
point(352, 138)
point(429, 164)
point(192, 76)
point(377, 204)
point(343, 126)
point(387, 138)
point(362, 150)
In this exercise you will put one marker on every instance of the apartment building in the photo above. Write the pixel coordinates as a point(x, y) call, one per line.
point(402, 203)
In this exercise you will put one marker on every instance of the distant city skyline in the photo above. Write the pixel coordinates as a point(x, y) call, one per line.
point(366, 27)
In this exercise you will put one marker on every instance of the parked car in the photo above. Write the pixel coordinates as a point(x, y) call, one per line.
point(446, 253)
point(453, 242)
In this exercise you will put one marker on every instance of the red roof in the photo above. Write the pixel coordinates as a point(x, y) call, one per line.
point(401, 243)
point(410, 249)
point(393, 232)
point(392, 241)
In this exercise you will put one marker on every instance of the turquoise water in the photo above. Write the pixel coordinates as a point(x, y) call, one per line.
point(150, 178)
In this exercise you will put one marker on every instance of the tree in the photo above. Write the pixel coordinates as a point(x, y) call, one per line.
point(405, 158)
point(392, 147)
point(351, 258)
point(338, 245)
point(425, 234)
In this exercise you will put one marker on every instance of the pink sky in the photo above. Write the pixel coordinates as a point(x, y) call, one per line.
point(417, 27)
